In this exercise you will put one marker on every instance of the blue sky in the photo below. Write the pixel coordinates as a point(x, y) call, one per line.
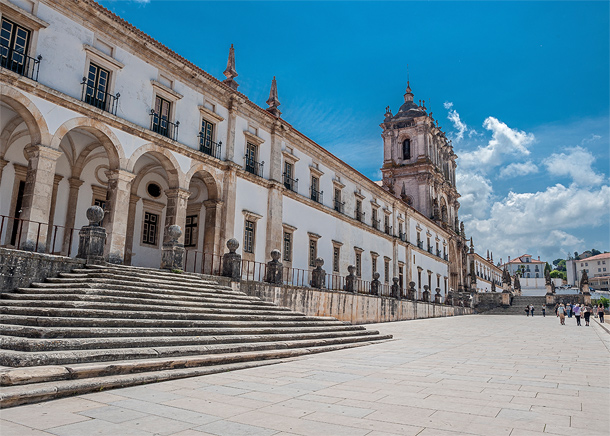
point(521, 87)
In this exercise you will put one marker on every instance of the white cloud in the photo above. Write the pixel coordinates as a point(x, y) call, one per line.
point(504, 142)
point(537, 221)
point(576, 164)
point(475, 191)
point(458, 124)
point(518, 169)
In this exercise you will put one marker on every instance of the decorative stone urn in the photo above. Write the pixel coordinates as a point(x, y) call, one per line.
point(375, 284)
point(351, 279)
point(172, 252)
point(231, 261)
point(318, 275)
point(275, 269)
point(396, 289)
point(91, 238)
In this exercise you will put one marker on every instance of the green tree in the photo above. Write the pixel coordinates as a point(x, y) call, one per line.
point(547, 267)
point(556, 261)
point(595, 252)
point(558, 275)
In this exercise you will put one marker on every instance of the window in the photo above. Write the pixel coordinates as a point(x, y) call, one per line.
point(359, 264)
point(251, 158)
point(206, 139)
point(313, 252)
point(406, 149)
point(249, 236)
point(287, 246)
point(96, 87)
point(400, 276)
point(359, 214)
point(336, 258)
point(289, 181)
point(338, 203)
point(190, 231)
point(374, 264)
point(374, 219)
point(418, 278)
point(160, 121)
point(386, 270)
point(99, 202)
point(316, 195)
point(14, 45)
point(386, 224)
point(150, 228)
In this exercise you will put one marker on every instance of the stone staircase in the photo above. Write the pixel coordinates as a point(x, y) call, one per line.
point(518, 306)
point(101, 327)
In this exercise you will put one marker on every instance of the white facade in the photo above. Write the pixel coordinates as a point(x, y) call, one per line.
point(70, 154)
point(596, 266)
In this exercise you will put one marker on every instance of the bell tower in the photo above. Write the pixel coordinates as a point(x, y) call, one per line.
point(419, 162)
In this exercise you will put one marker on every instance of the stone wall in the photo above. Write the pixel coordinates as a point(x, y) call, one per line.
point(345, 306)
point(21, 268)
point(488, 300)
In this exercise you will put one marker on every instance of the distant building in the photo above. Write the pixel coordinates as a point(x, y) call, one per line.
point(483, 275)
point(597, 268)
point(531, 271)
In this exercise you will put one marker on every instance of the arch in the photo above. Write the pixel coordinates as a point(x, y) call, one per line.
point(169, 163)
point(210, 181)
point(102, 133)
point(33, 118)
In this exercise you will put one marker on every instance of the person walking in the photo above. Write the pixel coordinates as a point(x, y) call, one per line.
point(543, 310)
point(577, 314)
point(600, 312)
point(532, 309)
point(587, 315)
point(527, 310)
point(561, 313)
point(569, 310)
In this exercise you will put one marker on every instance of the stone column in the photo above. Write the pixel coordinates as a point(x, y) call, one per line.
point(37, 196)
point(213, 226)
point(3, 163)
point(230, 156)
point(228, 211)
point(274, 218)
point(75, 184)
point(117, 210)
point(275, 163)
point(51, 234)
point(175, 214)
point(131, 217)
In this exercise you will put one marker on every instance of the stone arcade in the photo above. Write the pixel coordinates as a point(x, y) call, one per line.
point(115, 119)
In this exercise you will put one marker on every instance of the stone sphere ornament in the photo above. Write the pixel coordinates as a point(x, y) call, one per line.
point(351, 269)
point(395, 280)
point(174, 232)
point(319, 262)
point(275, 255)
point(376, 276)
point(232, 245)
point(95, 215)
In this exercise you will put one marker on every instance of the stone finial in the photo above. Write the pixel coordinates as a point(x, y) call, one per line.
point(275, 270)
point(426, 294)
point(95, 215)
point(408, 93)
point(395, 289)
point(276, 254)
point(471, 246)
point(375, 284)
point(462, 231)
point(517, 284)
point(172, 252)
point(273, 101)
point(411, 292)
point(547, 277)
point(230, 72)
point(388, 112)
point(232, 245)
point(174, 232)
point(437, 297)
point(318, 275)
point(350, 279)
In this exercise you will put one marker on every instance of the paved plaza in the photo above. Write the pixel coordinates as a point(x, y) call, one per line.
point(481, 375)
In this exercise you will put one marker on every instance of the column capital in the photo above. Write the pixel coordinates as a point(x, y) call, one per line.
point(57, 179)
point(120, 175)
point(212, 203)
point(133, 199)
point(3, 163)
point(75, 182)
point(43, 151)
point(178, 192)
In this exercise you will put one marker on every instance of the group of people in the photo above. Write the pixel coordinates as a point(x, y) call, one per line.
point(578, 311)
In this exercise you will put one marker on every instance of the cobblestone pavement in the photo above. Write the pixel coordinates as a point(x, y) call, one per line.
point(481, 375)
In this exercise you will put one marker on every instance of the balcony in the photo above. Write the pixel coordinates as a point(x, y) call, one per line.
point(388, 230)
point(19, 63)
point(99, 99)
point(375, 224)
point(420, 244)
point(430, 249)
point(402, 236)
point(163, 126)
point(438, 253)
point(316, 195)
point(254, 167)
point(360, 216)
point(209, 147)
point(446, 257)
point(290, 184)
point(339, 206)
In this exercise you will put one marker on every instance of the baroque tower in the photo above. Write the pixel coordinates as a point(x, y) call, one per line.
point(419, 168)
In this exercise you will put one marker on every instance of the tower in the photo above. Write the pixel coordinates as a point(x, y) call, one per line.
point(419, 162)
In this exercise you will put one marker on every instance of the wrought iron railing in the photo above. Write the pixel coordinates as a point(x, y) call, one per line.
point(388, 230)
point(19, 63)
point(209, 147)
point(420, 244)
point(360, 216)
point(375, 223)
point(290, 183)
point(339, 206)
point(402, 236)
point(100, 99)
point(163, 126)
point(253, 166)
point(316, 195)
point(59, 238)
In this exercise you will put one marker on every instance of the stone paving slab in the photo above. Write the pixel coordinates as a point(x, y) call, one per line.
point(474, 375)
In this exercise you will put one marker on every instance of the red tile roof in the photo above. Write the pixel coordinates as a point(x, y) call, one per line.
point(596, 257)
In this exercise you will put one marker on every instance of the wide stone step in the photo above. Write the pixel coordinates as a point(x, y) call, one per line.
point(172, 280)
point(140, 314)
point(99, 295)
point(138, 273)
point(21, 358)
point(84, 378)
point(136, 307)
point(109, 332)
point(64, 344)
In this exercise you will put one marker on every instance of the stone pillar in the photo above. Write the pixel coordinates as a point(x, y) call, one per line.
point(412, 292)
point(437, 297)
point(550, 300)
point(230, 153)
point(275, 163)
point(3, 163)
point(231, 261)
point(375, 284)
point(75, 183)
point(175, 214)
point(275, 269)
point(425, 296)
point(117, 210)
point(37, 196)
point(395, 290)
point(172, 255)
point(131, 217)
point(52, 233)
point(351, 280)
point(228, 211)
point(213, 226)
point(274, 218)
point(318, 275)
point(92, 237)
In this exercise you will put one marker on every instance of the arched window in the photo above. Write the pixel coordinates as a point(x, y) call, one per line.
point(406, 149)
